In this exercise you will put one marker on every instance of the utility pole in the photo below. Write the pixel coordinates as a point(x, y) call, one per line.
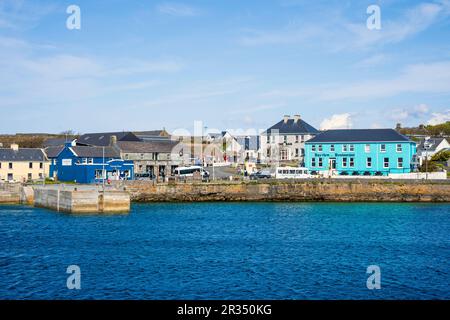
point(103, 169)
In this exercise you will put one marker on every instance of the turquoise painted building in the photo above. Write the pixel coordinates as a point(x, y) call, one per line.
point(360, 152)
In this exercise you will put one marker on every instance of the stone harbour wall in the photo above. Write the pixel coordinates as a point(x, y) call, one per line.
point(318, 190)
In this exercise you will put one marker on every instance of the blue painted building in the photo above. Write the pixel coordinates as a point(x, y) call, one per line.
point(360, 152)
point(85, 164)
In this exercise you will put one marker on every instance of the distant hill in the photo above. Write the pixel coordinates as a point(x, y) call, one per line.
point(29, 140)
point(439, 130)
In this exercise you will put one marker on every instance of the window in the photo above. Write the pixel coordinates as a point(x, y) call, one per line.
point(41, 165)
point(296, 139)
point(313, 147)
point(90, 160)
point(10, 165)
point(84, 160)
point(0, 165)
point(40, 175)
point(382, 148)
point(268, 152)
point(320, 148)
point(400, 163)
point(367, 148)
point(399, 148)
point(332, 148)
point(303, 151)
point(268, 139)
point(30, 165)
point(369, 162)
point(352, 162)
point(313, 162)
point(98, 174)
point(302, 138)
point(320, 162)
point(386, 163)
point(30, 176)
point(352, 147)
point(285, 139)
point(344, 148)
point(344, 162)
point(142, 156)
point(296, 152)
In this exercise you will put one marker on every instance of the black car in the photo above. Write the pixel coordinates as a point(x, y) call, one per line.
point(260, 175)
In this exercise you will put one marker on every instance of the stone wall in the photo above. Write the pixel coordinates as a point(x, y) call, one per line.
point(318, 190)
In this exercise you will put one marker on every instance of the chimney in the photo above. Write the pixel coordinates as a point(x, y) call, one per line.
point(15, 146)
point(1, 145)
point(285, 118)
point(398, 126)
point(112, 140)
point(296, 118)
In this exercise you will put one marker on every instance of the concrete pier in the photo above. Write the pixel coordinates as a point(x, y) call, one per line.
point(82, 199)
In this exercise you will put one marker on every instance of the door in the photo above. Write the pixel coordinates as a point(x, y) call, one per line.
point(332, 164)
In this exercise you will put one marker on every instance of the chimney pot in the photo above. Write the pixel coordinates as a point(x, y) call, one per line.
point(286, 118)
point(15, 146)
point(113, 140)
point(297, 118)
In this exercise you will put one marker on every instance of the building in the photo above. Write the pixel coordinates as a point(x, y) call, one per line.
point(285, 141)
point(222, 147)
point(157, 159)
point(428, 147)
point(88, 164)
point(104, 139)
point(360, 152)
point(153, 135)
point(251, 148)
point(23, 164)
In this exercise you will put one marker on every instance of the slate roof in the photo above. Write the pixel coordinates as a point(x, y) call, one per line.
point(23, 154)
point(54, 142)
point(359, 135)
point(292, 127)
point(95, 152)
point(53, 152)
point(432, 144)
point(147, 147)
point(103, 139)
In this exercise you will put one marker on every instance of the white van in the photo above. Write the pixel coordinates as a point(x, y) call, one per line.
point(292, 173)
point(185, 172)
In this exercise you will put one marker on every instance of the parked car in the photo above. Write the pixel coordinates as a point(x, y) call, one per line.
point(261, 174)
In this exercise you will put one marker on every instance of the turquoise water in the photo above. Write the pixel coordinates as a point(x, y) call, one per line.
point(228, 251)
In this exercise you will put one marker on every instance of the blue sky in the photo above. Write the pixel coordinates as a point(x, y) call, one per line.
point(232, 64)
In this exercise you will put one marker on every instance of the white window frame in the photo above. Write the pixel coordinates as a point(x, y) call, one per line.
point(320, 148)
point(344, 162)
point(399, 147)
point(320, 162)
point(344, 148)
point(332, 148)
point(313, 162)
point(367, 148)
point(352, 148)
point(369, 162)
point(351, 162)
point(384, 163)
point(383, 150)
point(313, 147)
point(398, 163)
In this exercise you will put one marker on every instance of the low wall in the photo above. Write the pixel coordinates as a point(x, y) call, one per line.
point(317, 190)
point(9, 197)
point(82, 201)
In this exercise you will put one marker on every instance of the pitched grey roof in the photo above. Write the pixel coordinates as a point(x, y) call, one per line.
point(95, 152)
point(431, 143)
point(23, 154)
point(359, 135)
point(147, 147)
point(103, 138)
point(292, 127)
point(54, 142)
point(53, 152)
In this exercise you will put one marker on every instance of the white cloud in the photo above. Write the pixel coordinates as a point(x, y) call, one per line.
point(439, 117)
point(177, 9)
point(337, 121)
point(415, 112)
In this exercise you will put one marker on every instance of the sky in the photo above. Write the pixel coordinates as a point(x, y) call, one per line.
point(231, 64)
